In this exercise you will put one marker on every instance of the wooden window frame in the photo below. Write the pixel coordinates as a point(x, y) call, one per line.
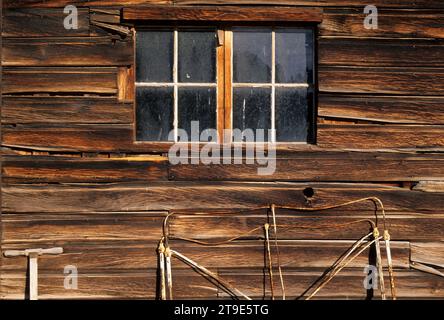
point(223, 19)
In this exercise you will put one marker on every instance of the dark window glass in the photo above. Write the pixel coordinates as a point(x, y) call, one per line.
point(154, 56)
point(293, 56)
point(197, 56)
point(154, 114)
point(251, 55)
point(252, 109)
point(291, 114)
point(197, 104)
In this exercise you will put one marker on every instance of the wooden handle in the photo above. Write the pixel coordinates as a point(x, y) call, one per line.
point(14, 253)
point(27, 252)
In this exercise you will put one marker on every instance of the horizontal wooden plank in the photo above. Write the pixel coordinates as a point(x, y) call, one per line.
point(429, 186)
point(130, 285)
point(403, 81)
point(324, 166)
point(391, 23)
point(223, 13)
point(380, 52)
point(386, 109)
point(36, 22)
point(380, 136)
point(106, 256)
point(346, 285)
point(79, 3)
point(361, 167)
point(226, 195)
point(323, 3)
point(67, 52)
point(333, 3)
point(59, 169)
point(431, 253)
point(36, 228)
point(94, 110)
point(94, 138)
point(60, 81)
point(187, 284)
point(308, 226)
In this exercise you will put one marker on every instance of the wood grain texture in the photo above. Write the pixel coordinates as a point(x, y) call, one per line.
point(57, 169)
point(66, 52)
point(384, 109)
point(322, 3)
point(226, 195)
point(86, 110)
point(380, 52)
point(380, 136)
point(347, 285)
point(325, 225)
point(109, 256)
point(429, 186)
point(324, 166)
point(223, 13)
point(391, 23)
point(94, 138)
point(35, 229)
point(431, 253)
point(401, 81)
point(23, 22)
point(60, 81)
point(330, 3)
point(113, 285)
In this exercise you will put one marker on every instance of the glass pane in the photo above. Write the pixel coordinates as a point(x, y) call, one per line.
point(197, 56)
point(197, 104)
point(292, 114)
point(155, 113)
point(154, 56)
point(252, 109)
point(251, 55)
point(294, 56)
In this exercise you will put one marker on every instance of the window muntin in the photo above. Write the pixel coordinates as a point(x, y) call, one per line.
point(271, 83)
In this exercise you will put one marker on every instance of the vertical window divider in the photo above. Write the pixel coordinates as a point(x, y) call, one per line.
point(273, 85)
point(228, 85)
point(176, 81)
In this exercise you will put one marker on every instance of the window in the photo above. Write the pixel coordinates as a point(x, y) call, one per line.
point(232, 77)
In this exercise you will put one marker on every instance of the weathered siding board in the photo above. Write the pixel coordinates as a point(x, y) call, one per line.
point(66, 52)
point(381, 52)
point(113, 285)
point(325, 166)
point(298, 167)
point(384, 109)
point(330, 3)
point(391, 23)
point(58, 110)
point(108, 256)
point(347, 285)
point(431, 253)
point(402, 226)
point(59, 81)
point(42, 23)
point(106, 137)
point(36, 228)
point(220, 195)
point(137, 285)
point(380, 136)
point(50, 169)
point(401, 81)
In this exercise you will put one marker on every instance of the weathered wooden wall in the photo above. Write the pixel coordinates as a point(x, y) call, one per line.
point(73, 177)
